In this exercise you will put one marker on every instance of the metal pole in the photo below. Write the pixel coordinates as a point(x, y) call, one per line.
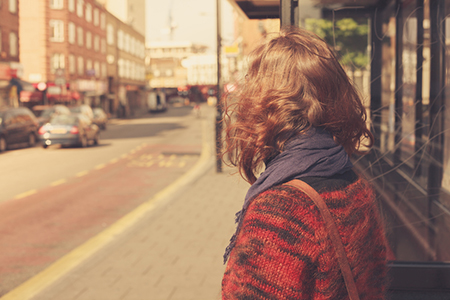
point(219, 93)
point(289, 14)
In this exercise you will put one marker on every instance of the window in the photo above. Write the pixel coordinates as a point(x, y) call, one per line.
point(120, 39)
point(80, 36)
point(57, 62)
point(89, 67)
point(13, 6)
point(71, 64)
point(88, 40)
point(96, 17)
point(110, 34)
point(120, 63)
point(89, 12)
point(13, 45)
point(126, 42)
point(71, 5)
point(80, 65)
point(80, 4)
point(96, 43)
point(103, 46)
point(71, 28)
point(56, 4)
point(133, 45)
point(104, 70)
point(56, 30)
point(97, 69)
point(103, 21)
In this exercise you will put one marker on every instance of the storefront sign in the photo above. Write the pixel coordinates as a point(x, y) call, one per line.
point(5, 71)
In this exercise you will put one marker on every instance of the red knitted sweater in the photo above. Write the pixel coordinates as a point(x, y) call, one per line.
point(282, 250)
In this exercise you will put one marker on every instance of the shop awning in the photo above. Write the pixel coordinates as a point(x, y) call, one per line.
point(267, 9)
point(22, 85)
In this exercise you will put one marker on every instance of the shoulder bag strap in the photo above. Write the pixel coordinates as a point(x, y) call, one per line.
point(333, 234)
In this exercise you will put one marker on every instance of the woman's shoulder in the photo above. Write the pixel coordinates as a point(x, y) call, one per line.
point(291, 197)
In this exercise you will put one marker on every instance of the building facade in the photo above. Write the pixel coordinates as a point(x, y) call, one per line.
point(125, 68)
point(166, 62)
point(9, 51)
point(131, 12)
point(63, 50)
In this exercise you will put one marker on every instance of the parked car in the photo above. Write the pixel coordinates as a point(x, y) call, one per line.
point(69, 130)
point(100, 117)
point(18, 127)
point(45, 112)
point(83, 109)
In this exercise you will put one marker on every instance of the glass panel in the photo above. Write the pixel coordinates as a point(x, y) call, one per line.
point(387, 110)
point(409, 64)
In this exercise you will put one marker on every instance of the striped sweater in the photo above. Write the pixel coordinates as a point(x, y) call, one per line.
point(282, 250)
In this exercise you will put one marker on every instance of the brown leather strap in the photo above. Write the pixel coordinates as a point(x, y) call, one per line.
point(333, 234)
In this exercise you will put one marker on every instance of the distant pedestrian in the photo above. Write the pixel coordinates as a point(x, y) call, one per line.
point(298, 115)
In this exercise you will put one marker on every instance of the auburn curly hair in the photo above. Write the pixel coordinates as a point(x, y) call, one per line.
point(294, 81)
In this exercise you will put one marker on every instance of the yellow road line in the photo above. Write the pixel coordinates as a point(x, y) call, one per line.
point(58, 182)
point(82, 173)
point(100, 166)
point(114, 160)
point(26, 194)
point(124, 156)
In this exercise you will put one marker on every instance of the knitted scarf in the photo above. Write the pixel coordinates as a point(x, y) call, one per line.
point(314, 153)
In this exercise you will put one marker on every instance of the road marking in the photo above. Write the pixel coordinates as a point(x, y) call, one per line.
point(182, 164)
point(64, 265)
point(114, 160)
point(124, 156)
point(58, 182)
point(82, 173)
point(26, 194)
point(100, 166)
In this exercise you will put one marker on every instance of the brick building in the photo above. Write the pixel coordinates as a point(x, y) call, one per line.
point(9, 51)
point(125, 69)
point(63, 44)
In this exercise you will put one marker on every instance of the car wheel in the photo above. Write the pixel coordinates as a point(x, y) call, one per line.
point(3, 145)
point(31, 140)
point(45, 146)
point(96, 138)
point(84, 142)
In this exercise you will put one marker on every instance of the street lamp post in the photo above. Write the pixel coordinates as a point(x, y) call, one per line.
point(219, 93)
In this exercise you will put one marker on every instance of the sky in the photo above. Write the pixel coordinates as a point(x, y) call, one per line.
point(195, 21)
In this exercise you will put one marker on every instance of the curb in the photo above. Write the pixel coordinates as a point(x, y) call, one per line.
point(70, 261)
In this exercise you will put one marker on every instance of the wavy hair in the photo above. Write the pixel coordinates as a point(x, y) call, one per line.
point(294, 81)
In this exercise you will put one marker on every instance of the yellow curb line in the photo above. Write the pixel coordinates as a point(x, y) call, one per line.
point(58, 182)
point(82, 173)
point(101, 166)
point(61, 267)
point(23, 195)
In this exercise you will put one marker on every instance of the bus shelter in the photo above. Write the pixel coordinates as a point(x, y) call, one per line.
point(406, 84)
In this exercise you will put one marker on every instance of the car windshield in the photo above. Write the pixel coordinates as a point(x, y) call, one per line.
point(63, 120)
point(46, 113)
point(75, 109)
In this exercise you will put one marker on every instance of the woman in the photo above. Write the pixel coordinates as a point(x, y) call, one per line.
point(298, 114)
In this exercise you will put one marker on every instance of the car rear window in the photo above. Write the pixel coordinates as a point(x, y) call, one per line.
point(63, 120)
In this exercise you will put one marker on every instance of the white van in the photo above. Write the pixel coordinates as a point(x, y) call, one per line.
point(156, 101)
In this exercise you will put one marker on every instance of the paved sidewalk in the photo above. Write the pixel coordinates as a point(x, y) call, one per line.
point(173, 252)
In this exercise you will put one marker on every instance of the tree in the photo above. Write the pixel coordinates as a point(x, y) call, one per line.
point(348, 37)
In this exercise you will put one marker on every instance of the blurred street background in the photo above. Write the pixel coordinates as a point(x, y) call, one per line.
point(110, 186)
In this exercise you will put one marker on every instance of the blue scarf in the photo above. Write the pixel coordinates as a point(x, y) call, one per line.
point(314, 153)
